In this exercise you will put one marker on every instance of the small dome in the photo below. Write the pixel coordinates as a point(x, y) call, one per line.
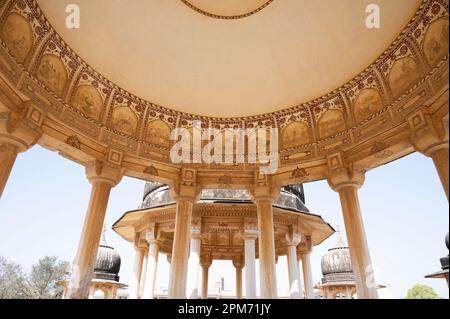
point(337, 259)
point(446, 240)
point(291, 197)
point(107, 265)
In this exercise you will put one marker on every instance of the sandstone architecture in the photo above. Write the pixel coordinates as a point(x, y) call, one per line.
point(224, 226)
point(342, 106)
point(443, 273)
point(106, 273)
point(338, 280)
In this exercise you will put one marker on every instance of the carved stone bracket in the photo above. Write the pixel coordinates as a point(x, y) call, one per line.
point(105, 172)
point(22, 127)
point(293, 237)
point(427, 134)
point(342, 174)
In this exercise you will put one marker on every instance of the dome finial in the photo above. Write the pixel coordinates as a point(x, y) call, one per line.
point(339, 242)
point(103, 238)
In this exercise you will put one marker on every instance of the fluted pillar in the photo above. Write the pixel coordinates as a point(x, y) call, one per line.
point(263, 197)
point(307, 275)
point(205, 276)
point(295, 283)
point(346, 181)
point(185, 198)
point(152, 263)
point(136, 275)
point(429, 136)
point(103, 177)
point(250, 236)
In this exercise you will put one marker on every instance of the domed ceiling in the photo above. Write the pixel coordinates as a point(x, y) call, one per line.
point(229, 58)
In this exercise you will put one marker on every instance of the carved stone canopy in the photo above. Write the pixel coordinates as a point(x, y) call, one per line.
point(222, 227)
point(371, 118)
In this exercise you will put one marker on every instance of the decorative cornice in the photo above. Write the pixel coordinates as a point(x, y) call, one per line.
point(152, 118)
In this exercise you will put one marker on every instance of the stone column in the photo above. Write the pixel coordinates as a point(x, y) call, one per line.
point(103, 177)
point(143, 275)
point(19, 130)
point(135, 281)
point(194, 263)
point(239, 265)
point(346, 181)
point(295, 283)
point(152, 262)
point(250, 236)
point(307, 275)
point(440, 159)
point(185, 198)
point(8, 154)
point(205, 276)
point(429, 136)
point(263, 197)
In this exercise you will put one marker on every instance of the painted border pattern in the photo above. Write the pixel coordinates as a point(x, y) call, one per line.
point(226, 17)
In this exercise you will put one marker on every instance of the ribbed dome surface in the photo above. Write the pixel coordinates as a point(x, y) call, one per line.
point(291, 197)
point(107, 265)
point(337, 260)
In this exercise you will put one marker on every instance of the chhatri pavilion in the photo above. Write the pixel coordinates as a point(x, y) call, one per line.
point(224, 226)
point(343, 93)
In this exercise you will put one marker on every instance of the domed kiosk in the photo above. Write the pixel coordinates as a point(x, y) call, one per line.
point(338, 279)
point(223, 227)
point(443, 273)
point(341, 108)
point(106, 272)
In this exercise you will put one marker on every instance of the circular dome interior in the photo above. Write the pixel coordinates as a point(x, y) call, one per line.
point(285, 54)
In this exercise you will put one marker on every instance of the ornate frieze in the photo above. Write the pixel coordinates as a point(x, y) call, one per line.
point(43, 67)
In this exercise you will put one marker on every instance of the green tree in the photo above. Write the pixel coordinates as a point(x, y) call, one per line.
point(422, 292)
point(13, 281)
point(43, 278)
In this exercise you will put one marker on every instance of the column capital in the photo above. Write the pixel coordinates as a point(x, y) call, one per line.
point(308, 244)
point(428, 134)
point(264, 192)
point(138, 241)
point(21, 127)
point(180, 191)
point(250, 235)
point(104, 172)
point(250, 229)
point(342, 174)
point(196, 226)
point(293, 238)
point(238, 262)
point(152, 234)
point(205, 262)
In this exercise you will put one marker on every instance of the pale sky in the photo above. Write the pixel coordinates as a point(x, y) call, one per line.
point(404, 208)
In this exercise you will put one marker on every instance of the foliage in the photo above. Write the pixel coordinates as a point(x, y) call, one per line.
point(39, 284)
point(44, 275)
point(422, 292)
point(13, 281)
